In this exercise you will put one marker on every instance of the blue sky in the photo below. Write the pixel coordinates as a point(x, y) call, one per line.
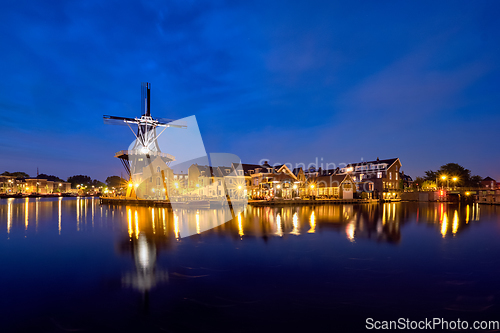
point(286, 81)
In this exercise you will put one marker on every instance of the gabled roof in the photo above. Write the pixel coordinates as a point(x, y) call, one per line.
point(488, 179)
point(389, 162)
point(283, 169)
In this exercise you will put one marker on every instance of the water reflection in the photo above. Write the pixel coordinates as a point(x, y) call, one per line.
point(381, 222)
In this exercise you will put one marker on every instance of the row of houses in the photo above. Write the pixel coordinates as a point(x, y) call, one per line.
point(369, 179)
point(12, 185)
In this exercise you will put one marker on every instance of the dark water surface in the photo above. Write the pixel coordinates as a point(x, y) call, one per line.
point(73, 265)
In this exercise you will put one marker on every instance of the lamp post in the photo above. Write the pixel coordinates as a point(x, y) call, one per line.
point(454, 182)
point(443, 177)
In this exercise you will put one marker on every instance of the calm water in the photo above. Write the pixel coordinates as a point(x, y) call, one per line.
point(73, 265)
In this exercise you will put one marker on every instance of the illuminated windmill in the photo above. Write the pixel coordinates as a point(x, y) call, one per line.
point(145, 149)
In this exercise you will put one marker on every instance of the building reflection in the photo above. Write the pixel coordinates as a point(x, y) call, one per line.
point(377, 222)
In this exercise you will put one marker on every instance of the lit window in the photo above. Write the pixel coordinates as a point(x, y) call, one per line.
point(379, 174)
point(390, 175)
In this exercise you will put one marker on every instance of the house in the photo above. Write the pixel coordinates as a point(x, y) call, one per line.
point(384, 174)
point(276, 182)
point(334, 186)
point(489, 182)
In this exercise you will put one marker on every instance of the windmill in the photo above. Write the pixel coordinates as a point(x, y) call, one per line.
point(145, 148)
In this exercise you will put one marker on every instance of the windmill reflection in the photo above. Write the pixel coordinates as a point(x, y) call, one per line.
point(143, 244)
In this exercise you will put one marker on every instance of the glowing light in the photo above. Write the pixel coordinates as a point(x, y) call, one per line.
point(198, 223)
point(130, 230)
point(59, 215)
point(136, 225)
point(143, 253)
point(136, 185)
point(312, 186)
point(455, 223)
point(295, 221)
point(295, 186)
point(26, 213)
point(312, 222)
point(239, 187)
point(278, 186)
point(279, 232)
point(467, 214)
point(176, 226)
point(130, 184)
point(176, 185)
point(443, 177)
point(240, 226)
point(467, 193)
point(350, 230)
point(444, 225)
point(9, 216)
point(455, 179)
point(153, 219)
point(163, 218)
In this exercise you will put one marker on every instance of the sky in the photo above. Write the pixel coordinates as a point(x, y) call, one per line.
point(281, 81)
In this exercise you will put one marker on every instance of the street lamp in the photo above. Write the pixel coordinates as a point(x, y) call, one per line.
point(443, 177)
point(454, 182)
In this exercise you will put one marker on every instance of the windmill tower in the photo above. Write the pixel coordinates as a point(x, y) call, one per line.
point(144, 160)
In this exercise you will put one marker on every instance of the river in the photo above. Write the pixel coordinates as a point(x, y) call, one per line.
point(70, 264)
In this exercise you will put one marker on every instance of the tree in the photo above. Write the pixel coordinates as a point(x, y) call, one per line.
point(451, 170)
point(115, 181)
point(80, 179)
point(17, 174)
point(50, 177)
point(428, 185)
point(419, 181)
point(475, 181)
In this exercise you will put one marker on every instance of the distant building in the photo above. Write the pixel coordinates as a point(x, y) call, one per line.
point(489, 182)
point(44, 186)
point(9, 184)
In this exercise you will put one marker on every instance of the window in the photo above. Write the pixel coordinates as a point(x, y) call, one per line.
point(240, 172)
point(150, 179)
point(219, 183)
point(158, 169)
point(158, 180)
point(175, 176)
point(361, 176)
point(227, 170)
point(390, 175)
point(379, 174)
point(230, 181)
point(396, 176)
